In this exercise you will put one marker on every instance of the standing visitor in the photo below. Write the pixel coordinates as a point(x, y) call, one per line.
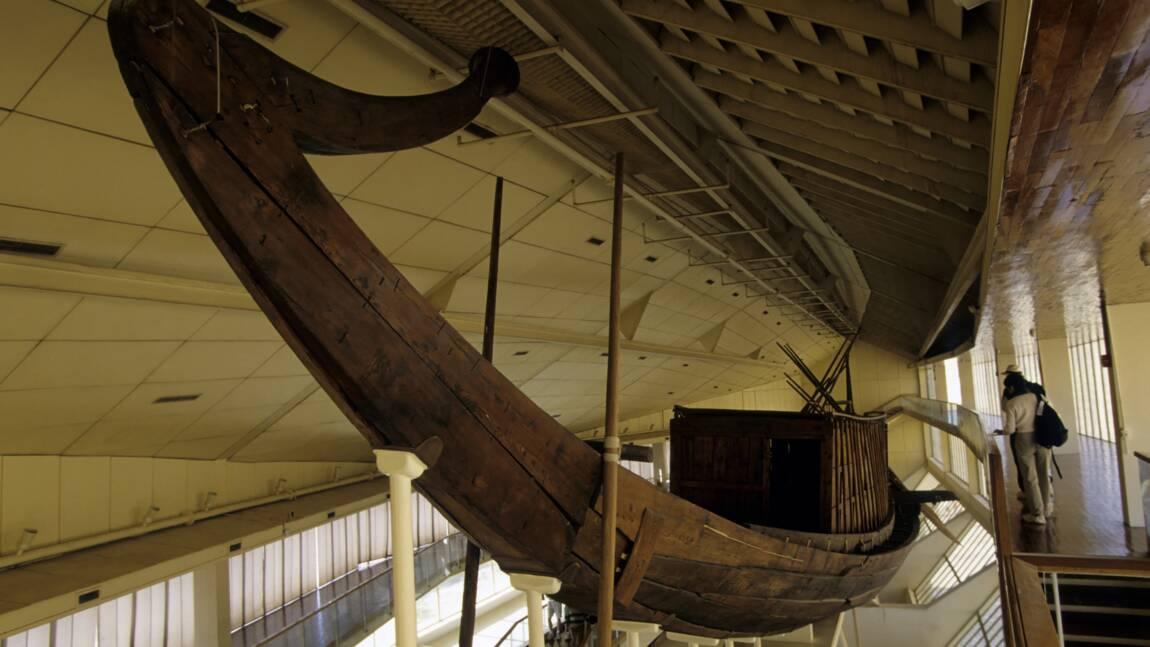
point(1020, 402)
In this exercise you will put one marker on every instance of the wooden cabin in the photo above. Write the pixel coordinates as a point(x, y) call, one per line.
point(808, 472)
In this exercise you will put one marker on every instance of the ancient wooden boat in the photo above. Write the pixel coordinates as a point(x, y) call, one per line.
point(232, 121)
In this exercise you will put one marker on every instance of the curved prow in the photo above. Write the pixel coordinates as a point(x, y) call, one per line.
point(172, 36)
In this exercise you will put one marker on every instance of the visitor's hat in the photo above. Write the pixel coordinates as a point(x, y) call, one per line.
point(1012, 368)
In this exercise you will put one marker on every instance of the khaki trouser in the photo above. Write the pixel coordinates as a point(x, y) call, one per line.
point(1033, 462)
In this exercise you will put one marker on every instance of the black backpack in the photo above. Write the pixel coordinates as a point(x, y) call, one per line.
point(1048, 428)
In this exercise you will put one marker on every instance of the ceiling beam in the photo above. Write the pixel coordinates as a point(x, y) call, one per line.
point(870, 150)
point(979, 43)
point(828, 186)
point(879, 66)
point(856, 180)
point(766, 107)
point(891, 174)
point(910, 242)
point(849, 93)
point(902, 225)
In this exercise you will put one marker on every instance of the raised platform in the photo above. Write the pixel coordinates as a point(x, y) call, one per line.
point(1088, 503)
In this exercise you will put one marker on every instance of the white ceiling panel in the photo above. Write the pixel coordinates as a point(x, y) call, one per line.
point(420, 278)
point(31, 314)
point(440, 246)
point(106, 178)
point(32, 32)
point(181, 218)
point(141, 402)
point(237, 325)
point(535, 166)
point(12, 353)
point(283, 363)
point(27, 411)
point(265, 392)
point(175, 253)
point(311, 30)
point(487, 156)
point(130, 437)
point(108, 318)
point(60, 364)
point(366, 63)
point(41, 440)
point(206, 360)
point(387, 228)
point(197, 449)
point(89, 6)
point(338, 441)
point(83, 87)
point(343, 173)
point(87, 241)
point(418, 181)
point(475, 208)
point(227, 423)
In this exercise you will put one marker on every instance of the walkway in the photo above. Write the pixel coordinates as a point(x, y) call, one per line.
point(1088, 503)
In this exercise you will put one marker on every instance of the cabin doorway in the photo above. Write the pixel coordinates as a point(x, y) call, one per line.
point(795, 483)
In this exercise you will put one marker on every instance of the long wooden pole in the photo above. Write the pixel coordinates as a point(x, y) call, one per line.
point(611, 437)
point(471, 564)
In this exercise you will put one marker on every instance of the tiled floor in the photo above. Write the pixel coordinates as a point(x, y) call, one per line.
point(1089, 507)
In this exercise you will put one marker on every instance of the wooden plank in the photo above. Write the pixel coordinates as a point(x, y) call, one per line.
point(788, 112)
point(878, 66)
point(639, 558)
point(824, 184)
point(849, 93)
point(979, 44)
point(969, 196)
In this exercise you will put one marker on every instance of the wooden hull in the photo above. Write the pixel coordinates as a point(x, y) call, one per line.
point(509, 476)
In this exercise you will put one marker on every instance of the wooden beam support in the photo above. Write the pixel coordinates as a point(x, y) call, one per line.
point(829, 186)
point(885, 172)
point(871, 150)
point(879, 66)
point(610, 486)
point(849, 93)
point(978, 45)
point(639, 558)
point(759, 104)
point(861, 181)
point(907, 222)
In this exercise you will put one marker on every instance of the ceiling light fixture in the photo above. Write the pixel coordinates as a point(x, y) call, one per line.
point(12, 246)
point(521, 353)
point(167, 399)
point(710, 281)
point(595, 241)
point(651, 259)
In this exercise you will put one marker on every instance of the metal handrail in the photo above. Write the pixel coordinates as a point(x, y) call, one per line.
point(332, 602)
point(507, 634)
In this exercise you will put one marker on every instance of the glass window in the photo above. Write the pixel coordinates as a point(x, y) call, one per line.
point(1091, 383)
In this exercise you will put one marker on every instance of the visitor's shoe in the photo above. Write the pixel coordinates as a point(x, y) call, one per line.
point(1035, 519)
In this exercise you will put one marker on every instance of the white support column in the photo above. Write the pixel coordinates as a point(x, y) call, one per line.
point(634, 631)
point(693, 641)
point(212, 604)
point(1055, 357)
point(401, 468)
point(534, 587)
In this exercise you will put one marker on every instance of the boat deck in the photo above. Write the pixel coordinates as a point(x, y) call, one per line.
point(1088, 503)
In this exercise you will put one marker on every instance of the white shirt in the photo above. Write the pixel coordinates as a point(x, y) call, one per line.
point(1018, 414)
